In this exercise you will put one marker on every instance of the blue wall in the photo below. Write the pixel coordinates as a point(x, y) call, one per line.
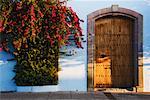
point(6, 72)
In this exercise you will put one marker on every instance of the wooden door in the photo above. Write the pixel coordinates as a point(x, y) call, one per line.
point(113, 52)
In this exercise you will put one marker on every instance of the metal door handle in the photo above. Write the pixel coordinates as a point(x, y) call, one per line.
point(108, 68)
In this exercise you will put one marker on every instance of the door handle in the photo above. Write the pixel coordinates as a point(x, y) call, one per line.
point(108, 68)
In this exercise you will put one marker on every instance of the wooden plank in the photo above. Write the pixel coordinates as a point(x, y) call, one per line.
point(113, 40)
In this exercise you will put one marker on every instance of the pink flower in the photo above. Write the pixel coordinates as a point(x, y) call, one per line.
point(59, 37)
point(76, 19)
point(50, 39)
point(1, 29)
point(19, 29)
point(33, 18)
point(24, 17)
point(46, 28)
point(12, 23)
point(53, 13)
point(1, 23)
point(1, 49)
point(32, 23)
point(18, 6)
point(32, 11)
point(70, 9)
point(22, 23)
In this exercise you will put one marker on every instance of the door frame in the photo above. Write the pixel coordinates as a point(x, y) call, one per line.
point(137, 43)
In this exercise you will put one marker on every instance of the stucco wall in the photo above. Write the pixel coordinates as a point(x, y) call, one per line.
point(6, 72)
point(146, 74)
point(72, 76)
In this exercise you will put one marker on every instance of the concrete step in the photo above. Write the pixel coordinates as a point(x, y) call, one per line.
point(75, 95)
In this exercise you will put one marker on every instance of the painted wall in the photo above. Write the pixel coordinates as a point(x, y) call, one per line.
point(72, 76)
point(6, 72)
point(146, 75)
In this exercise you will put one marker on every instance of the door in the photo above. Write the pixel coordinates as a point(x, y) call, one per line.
point(113, 52)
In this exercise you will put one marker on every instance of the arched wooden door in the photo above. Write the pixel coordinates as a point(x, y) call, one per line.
point(114, 52)
point(115, 49)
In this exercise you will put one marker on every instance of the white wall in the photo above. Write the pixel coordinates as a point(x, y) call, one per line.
point(6, 72)
point(73, 74)
point(72, 77)
point(146, 74)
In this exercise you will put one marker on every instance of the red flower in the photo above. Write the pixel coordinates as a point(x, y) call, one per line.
point(50, 39)
point(79, 45)
point(53, 13)
point(19, 29)
point(77, 25)
point(46, 28)
point(24, 17)
point(57, 30)
point(69, 25)
point(33, 18)
point(1, 49)
point(18, 6)
point(12, 23)
point(53, 20)
point(26, 32)
point(40, 13)
point(33, 32)
point(1, 23)
point(32, 11)
point(22, 23)
point(59, 37)
point(59, 21)
point(1, 29)
point(32, 23)
point(70, 9)
point(76, 35)
point(76, 19)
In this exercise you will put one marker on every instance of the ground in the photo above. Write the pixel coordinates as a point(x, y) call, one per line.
point(74, 96)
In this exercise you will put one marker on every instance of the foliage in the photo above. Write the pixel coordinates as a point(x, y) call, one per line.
point(36, 29)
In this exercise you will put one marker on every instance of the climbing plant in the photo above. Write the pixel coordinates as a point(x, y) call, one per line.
point(35, 30)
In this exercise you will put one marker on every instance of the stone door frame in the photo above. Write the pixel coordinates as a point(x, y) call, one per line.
point(137, 40)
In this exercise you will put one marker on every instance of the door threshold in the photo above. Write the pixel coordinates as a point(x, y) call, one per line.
point(132, 89)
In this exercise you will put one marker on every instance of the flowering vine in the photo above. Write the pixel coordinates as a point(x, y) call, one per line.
point(36, 29)
point(29, 19)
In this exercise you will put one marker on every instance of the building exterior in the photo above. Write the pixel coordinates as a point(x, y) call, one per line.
point(111, 61)
point(115, 49)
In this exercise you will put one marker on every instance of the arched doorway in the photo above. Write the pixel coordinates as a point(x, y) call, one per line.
point(114, 49)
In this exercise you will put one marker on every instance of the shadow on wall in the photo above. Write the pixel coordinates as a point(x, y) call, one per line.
point(72, 76)
point(6, 72)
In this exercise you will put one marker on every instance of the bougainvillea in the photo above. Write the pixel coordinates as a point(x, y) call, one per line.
point(28, 18)
point(36, 29)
